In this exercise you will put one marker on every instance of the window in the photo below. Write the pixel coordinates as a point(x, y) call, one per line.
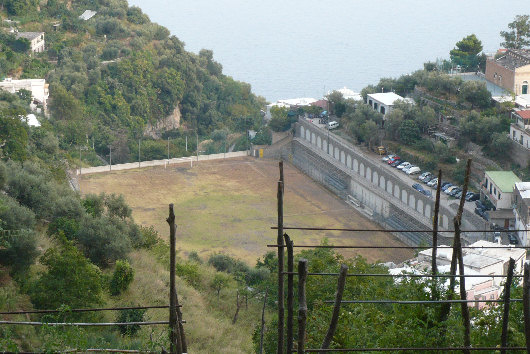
point(494, 191)
point(370, 103)
point(499, 195)
point(376, 106)
point(382, 109)
point(524, 91)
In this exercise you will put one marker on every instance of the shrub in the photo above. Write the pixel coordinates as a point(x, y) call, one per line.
point(121, 278)
point(70, 279)
point(148, 237)
point(190, 272)
point(93, 204)
point(14, 216)
point(102, 241)
point(133, 315)
point(68, 227)
point(256, 276)
point(20, 252)
point(116, 206)
point(194, 257)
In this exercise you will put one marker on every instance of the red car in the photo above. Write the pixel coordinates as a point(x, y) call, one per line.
point(393, 159)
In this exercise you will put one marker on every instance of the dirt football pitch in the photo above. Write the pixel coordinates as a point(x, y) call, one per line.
point(230, 205)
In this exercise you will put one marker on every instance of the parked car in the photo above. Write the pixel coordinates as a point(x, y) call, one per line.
point(424, 175)
point(385, 158)
point(395, 163)
point(413, 170)
point(471, 197)
point(426, 192)
point(417, 187)
point(393, 159)
point(480, 205)
point(482, 213)
point(333, 124)
point(450, 189)
point(428, 179)
point(403, 165)
point(454, 191)
point(447, 186)
point(458, 195)
point(432, 182)
point(513, 239)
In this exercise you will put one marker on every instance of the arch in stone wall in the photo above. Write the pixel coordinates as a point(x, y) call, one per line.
point(404, 196)
point(361, 169)
point(355, 166)
point(382, 182)
point(308, 135)
point(336, 153)
point(412, 201)
point(368, 173)
point(302, 132)
point(342, 158)
point(445, 221)
point(330, 151)
point(313, 138)
point(375, 178)
point(319, 142)
point(389, 186)
point(428, 210)
point(397, 191)
point(348, 161)
point(419, 206)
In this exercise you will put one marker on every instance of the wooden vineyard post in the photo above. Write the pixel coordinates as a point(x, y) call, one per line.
point(174, 332)
point(526, 304)
point(281, 310)
point(506, 313)
point(290, 292)
point(262, 324)
point(336, 309)
point(302, 306)
point(435, 224)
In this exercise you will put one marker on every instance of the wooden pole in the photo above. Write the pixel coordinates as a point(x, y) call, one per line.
point(302, 306)
point(290, 293)
point(506, 313)
point(463, 295)
point(282, 178)
point(336, 309)
point(174, 335)
point(238, 306)
point(262, 323)
point(435, 224)
point(458, 248)
point(281, 312)
point(526, 304)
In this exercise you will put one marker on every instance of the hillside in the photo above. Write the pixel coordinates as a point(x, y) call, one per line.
point(117, 77)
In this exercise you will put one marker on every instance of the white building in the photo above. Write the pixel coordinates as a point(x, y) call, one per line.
point(520, 129)
point(37, 87)
point(87, 15)
point(497, 187)
point(480, 261)
point(521, 204)
point(288, 103)
point(383, 102)
point(36, 40)
point(348, 94)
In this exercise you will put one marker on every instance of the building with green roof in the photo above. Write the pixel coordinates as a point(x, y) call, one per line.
point(498, 188)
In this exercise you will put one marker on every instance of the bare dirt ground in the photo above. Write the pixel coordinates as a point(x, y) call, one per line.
point(229, 206)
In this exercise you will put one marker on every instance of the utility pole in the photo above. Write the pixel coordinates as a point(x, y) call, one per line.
point(80, 159)
point(168, 148)
point(225, 148)
point(139, 140)
point(197, 136)
point(110, 158)
point(186, 143)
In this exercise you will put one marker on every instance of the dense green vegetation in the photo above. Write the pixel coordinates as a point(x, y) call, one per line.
point(117, 76)
point(387, 325)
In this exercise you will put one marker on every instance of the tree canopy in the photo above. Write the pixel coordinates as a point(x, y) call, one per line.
point(518, 35)
point(466, 53)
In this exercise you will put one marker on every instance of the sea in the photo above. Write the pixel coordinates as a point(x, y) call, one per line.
point(294, 48)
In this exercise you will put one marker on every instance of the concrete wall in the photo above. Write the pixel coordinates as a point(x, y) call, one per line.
point(367, 181)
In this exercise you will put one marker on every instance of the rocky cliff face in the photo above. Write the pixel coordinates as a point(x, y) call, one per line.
point(170, 122)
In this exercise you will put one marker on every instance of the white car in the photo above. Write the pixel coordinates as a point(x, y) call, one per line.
point(406, 168)
point(403, 165)
point(413, 170)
